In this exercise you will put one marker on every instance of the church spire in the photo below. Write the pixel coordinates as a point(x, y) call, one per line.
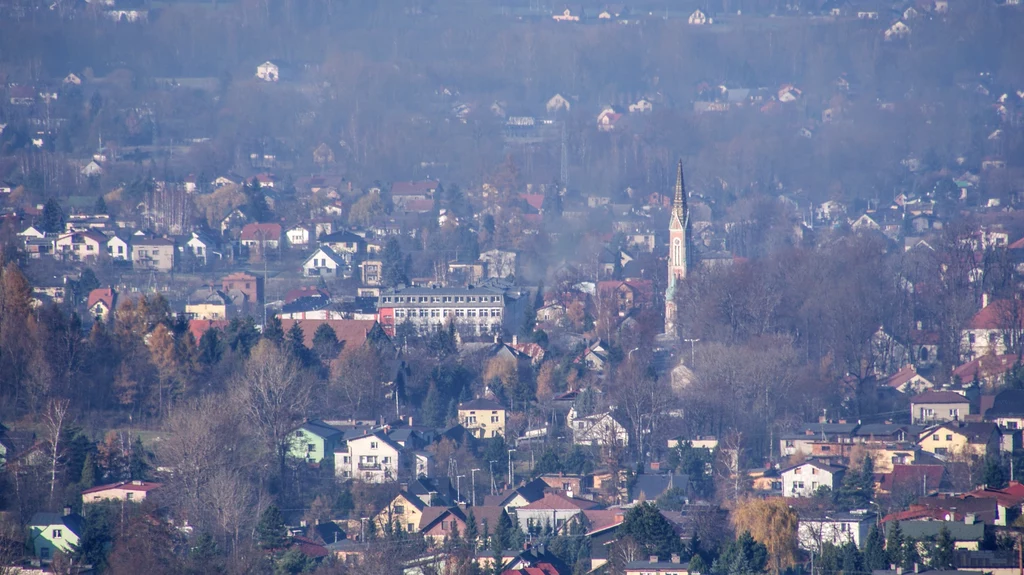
point(679, 205)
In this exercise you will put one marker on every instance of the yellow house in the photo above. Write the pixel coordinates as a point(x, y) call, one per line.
point(404, 510)
point(978, 439)
point(483, 418)
point(134, 491)
point(212, 304)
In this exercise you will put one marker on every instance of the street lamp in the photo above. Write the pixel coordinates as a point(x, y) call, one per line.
point(691, 341)
point(492, 462)
point(362, 529)
point(511, 471)
point(458, 488)
point(473, 480)
point(629, 356)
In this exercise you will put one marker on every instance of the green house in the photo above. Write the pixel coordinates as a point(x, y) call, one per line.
point(314, 442)
point(52, 532)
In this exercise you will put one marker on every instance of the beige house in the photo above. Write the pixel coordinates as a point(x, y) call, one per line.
point(483, 418)
point(404, 510)
point(958, 438)
point(210, 304)
point(134, 491)
point(938, 406)
point(80, 246)
point(372, 458)
point(155, 254)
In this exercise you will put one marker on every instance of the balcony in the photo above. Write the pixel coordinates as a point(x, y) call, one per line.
point(369, 466)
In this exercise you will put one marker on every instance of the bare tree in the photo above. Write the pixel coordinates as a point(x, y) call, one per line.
point(273, 396)
point(230, 499)
point(55, 418)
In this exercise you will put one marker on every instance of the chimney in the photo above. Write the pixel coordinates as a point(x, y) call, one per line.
point(675, 558)
point(302, 523)
point(67, 510)
point(984, 300)
point(654, 558)
point(917, 567)
point(495, 338)
point(919, 324)
point(899, 570)
point(515, 339)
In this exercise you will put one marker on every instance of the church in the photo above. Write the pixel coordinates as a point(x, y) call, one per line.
point(679, 253)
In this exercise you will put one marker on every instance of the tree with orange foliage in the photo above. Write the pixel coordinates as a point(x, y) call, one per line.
point(773, 524)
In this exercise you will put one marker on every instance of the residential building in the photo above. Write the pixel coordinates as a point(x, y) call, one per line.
point(405, 511)
point(814, 530)
point(654, 566)
point(907, 380)
point(995, 328)
point(298, 236)
point(80, 246)
point(1007, 410)
point(600, 429)
point(202, 248)
point(651, 486)
point(804, 479)
point(370, 271)
point(52, 532)
point(967, 534)
point(324, 262)
point(346, 245)
point(404, 193)
point(372, 458)
point(210, 304)
point(478, 310)
point(978, 439)
point(553, 509)
point(101, 302)
point(268, 72)
point(938, 406)
point(260, 237)
point(156, 254)
point(315, 442)
point(133, 491)
point(118, 249)
point(483, 418)
point(250, 285)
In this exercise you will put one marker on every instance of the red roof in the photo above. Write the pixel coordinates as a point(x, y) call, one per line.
point(539, 569)
point(535, 201)
point(985, 366)
point(308, 547)
point(556, 501)
point(105, 295)
point(929, 476)
point(921, 512)
point(143, 486)
point(998, 315)
point(197, 327)
point(261, 232)
point(305, 291)
point(350, 332)
point(924, 337)
point(420, 188)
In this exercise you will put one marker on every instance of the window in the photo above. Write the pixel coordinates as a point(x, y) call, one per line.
point(310, 447)
point(399, 509)
point(949, 437)
point(494, 419)
point(826, 448)
point(472, 419)
point(435, 313)
point(460, 313)
point(156, 252)
point(346, 459)
point(798, 485)
point(44, 552)
point(410, 527)
point(373, 445)
point(935, 437)
point(941, 451)
point(57, 533)
point(130, 496)
point(970, 338)
point(386, 460)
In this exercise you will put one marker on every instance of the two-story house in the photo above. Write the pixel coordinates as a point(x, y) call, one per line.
point(211, 304)
point(600, 429)
point(260, 238)
point(372, 458)
point(483, 418)
point(816, 529)
point(155, 254)
point(1007, 410)
point(938, 406)
point(80, 245)
point(346, 245)
point(324, 262)
point(118, 248)
point(404, 510)
point(315, 442)
point(998, 326)
point(53, 532)
point(804, 479)
point(976, 439)
point(101, 302)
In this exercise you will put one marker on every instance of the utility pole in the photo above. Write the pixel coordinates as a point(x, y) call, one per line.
point(458, 488)
point(494, 486)
point(691, 342)
point(511, 470)
point(473, 480)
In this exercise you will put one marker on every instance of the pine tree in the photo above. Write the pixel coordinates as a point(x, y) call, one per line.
point(270, 533)
point(874, 551)
point(852, 561)
point(138, 463)
point(53, 217)
point(432, 408)
point(393, 269)
point(296, 344)
point(894, 544)
point(273, 330)
point(89, 472)
point(942, 555)
point(471, 530)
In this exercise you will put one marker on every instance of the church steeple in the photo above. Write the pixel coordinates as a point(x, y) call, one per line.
point(679, 205)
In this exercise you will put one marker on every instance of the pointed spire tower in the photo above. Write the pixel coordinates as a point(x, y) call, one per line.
point(678, 249)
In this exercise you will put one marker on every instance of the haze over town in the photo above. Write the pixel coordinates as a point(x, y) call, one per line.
point(511, 287)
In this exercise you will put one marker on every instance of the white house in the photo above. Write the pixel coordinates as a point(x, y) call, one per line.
point(599, 429)
point(567, 15)
point(698, 18)
point(201, 247)
point(557, 103)
point(52, 532)
point(267, 71)
point(92, 169)
point(814, 530)
point(897, 31)
point(372, 458)
point(80, 246)
point(32, 232)
point(323, 263)
point(72, 79)
point(118, 249)
point(994, 328)
point(298, 236)
point(641, 106)
point(804, 479)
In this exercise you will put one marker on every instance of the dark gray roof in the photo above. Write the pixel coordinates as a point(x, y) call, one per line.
point(1009, 402)
point(321, 429)
point(657, 565)
point(959, 530)
point(74, 521)
point(653, 486)
point(482, 404)
point(887, 429)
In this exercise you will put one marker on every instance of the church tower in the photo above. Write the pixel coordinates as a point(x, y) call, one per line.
point(678, 249)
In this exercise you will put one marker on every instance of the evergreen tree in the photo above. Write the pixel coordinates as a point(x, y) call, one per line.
point(53, 217)
point(649, 528)
point(894, 544)
point(256, 202)
point(943, 555)
point(210, 347)
point(87, 282)
point(852, 561)
point(874, 551)
point(502, 539)
point(296, 344)
point(471, 530)
point(830, 559)
point(432, 408)
point(242, 335)
point(393, 264)
point(138, 463)
point(90, 473)
point(858, 488)
point(101, 205)
point(273, 330)
point(742, 557)
point(994, 473)
point(325, 343)
point(270, 533)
